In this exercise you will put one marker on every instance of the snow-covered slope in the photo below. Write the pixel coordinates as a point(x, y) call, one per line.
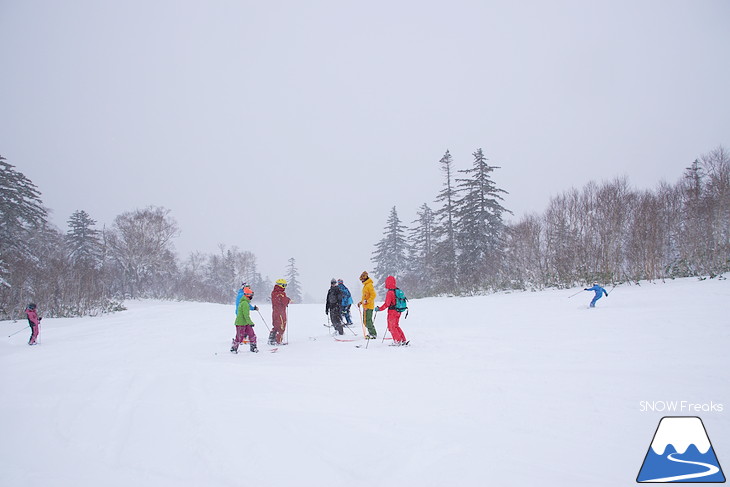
point(509, 389)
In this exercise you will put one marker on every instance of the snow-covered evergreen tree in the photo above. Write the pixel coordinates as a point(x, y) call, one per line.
point(21, 210)
point(293, 288)
point(87, 292)
point(22, 217)
point(83, 241)
point(390, 256)
point(444, 231)
point(479, 226)
point(420, 279)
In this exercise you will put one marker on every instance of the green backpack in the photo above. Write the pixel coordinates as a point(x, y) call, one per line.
point(401, 301)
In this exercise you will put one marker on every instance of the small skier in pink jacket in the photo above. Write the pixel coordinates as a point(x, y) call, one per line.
point(34, 321)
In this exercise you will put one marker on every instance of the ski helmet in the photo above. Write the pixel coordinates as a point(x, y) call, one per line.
point(340, 281)
point(31, 306)
point(281, 282)
point(247, 291)
point(333, 281)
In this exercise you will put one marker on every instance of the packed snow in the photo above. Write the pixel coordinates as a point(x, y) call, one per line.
point(523, 388)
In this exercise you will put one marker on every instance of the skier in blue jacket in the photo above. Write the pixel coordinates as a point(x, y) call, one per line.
point(346, 301)
point(239, 295)
point(599, 293)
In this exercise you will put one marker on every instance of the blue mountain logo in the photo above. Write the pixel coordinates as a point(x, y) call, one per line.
point(681, 452)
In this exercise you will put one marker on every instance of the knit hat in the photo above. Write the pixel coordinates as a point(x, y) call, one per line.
point(364, 275)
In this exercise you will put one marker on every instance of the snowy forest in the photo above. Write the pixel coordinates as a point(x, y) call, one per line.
point(87, 270)
point(605, 232)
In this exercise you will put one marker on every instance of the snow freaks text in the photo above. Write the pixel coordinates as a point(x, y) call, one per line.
point(680, 407)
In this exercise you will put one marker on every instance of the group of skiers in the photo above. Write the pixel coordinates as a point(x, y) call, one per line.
point(339, 300)
point(337, 308)
point(244, 324)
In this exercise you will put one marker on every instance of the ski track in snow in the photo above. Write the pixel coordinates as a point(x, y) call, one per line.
point(507, 389)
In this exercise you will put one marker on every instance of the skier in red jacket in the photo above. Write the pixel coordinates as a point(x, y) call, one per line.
point(279, 303)
point(399, 338)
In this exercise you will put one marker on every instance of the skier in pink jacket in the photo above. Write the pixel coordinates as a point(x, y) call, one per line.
point(34, 321)
point(399, 338)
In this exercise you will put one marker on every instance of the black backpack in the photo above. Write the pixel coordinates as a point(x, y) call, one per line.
point(334, 297)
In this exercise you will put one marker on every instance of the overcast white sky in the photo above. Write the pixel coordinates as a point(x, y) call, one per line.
point(289, 128)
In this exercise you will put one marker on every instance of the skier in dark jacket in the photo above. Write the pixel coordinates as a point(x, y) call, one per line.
point(333, 306)
point(599, 293)
point(346, 301)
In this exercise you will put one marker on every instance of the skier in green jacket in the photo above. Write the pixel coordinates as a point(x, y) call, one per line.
point(244, 324)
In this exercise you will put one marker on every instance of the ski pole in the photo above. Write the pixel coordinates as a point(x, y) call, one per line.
point(333, 330)
point(576, 293)
point(18, 331)
point(362, 321)
point(344, 325)
point(329, 325)
point(285, 326)
point(262, 319)
point(350, 330)
point(385, 334)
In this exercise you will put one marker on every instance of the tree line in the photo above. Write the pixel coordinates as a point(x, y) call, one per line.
point(606, 232)
point(87, 270)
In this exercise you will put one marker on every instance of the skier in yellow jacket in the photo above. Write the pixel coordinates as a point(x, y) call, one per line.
point(368, 303)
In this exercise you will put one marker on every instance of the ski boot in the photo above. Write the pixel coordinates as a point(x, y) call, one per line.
point(254, 348)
